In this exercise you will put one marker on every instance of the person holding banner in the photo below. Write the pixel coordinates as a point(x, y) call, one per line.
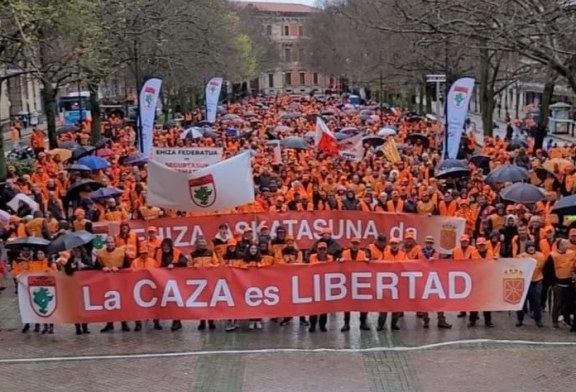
point(78, 261)
point(561, 268)
point(321, 256)
point(429, 252)
point(128, 239)
point(203, 257)
point(354, 253)
point(535, 289)
point(144, 261)
point(253, 259)
point(392, 254)
point(112, 259)
point(167, 256)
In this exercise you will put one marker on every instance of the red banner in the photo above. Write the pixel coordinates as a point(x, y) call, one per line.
point(306, 226)
point(280, 291)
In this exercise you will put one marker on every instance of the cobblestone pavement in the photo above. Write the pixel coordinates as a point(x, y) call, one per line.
point(189, 360)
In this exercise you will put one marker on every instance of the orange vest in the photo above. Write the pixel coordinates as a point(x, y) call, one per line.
point(140, 263)
point(399, 207)
point(177, 255)
point(130, 244)
point(360, 256)
point(389, 256)
point(471, 253)
point(538, 275)
point(376, 253)
point(314, 259)
point(111, 259)
point(563, 264)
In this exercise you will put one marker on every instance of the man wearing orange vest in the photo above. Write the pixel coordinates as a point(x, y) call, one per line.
point(112, 259)
point(464, 252)
point(535, 290)
point(127, 239)
point(428, 252)
point(321, 256)
point(144, 261)
point(392, 254)
point(377, 248)
point(354, 253)
point(152, 241)
point(562, 267)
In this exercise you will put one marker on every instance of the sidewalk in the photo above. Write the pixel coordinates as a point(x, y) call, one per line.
point(24, 139)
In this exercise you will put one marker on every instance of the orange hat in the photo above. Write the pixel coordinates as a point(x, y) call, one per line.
point(79, 212)
point(231, 242)
point(152, 229)
point(394, 240)
point(572, 232)
point(326, 230)
point(464, 237)
point(409, 235)
point(549, 229)
point(355, 240)
point(481, 241)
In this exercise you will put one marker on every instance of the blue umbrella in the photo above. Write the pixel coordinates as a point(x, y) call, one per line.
point(135, 159)
point(94, 163)
point(341, 136)
point(232, 132)
point(106, 193)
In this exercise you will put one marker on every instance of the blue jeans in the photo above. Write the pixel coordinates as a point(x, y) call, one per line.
point(533, 298)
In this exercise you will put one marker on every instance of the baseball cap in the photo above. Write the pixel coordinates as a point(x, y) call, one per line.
point(152, 229)
point(464, 237)
point(429, 238)
point(394, 240)
point(355, 240)
point(481, 241)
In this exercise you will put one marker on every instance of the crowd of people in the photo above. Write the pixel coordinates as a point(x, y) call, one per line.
point(62, 196)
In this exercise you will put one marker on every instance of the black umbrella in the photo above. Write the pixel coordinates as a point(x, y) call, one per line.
point(101, 143)
point(69, 145)
point(507, 173)
point(27, 242)
point(517, 143)
point(414, 137)
point(451, 164)
point(565, 206)
point(70, 241)
point(82, 186)
point(373, 140)
point(78, 167)
point(481, 160)
point(452, 173)
point(67, 129)
point(523, 193)
point(82, 151)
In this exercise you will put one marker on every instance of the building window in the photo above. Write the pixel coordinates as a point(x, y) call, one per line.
point(270, 80)
point(302, 78)
point(286, 31)
point(300, 31)
point(300, 54)
point(288, 79)
point(315, 78)
point(287, 55)
point(269, 30)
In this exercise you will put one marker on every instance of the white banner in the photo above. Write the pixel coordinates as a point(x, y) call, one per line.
point(456, 112)
point(148, 100)
point(187, 159)
point(213, 88)
point(219, 187)
point(352, 148)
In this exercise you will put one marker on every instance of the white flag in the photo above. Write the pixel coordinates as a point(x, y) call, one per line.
point(147, 101)
point(221, 186)
point(212, 93)
point(352, 148)
point(456, 111)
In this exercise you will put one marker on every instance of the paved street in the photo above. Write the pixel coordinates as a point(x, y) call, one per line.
point(287, 358)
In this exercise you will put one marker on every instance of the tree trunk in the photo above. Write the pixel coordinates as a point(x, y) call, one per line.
point(541, 127)
point(486, 94)
point(48, 96)
point(3, 173)
point(95, 133)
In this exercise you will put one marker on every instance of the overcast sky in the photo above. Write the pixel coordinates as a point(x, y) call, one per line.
point(307, 2)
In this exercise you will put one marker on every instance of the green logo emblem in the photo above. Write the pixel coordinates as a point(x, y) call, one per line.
point(43, 298)
point(203, 191)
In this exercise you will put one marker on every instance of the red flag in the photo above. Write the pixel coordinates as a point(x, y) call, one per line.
point(325, 139)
